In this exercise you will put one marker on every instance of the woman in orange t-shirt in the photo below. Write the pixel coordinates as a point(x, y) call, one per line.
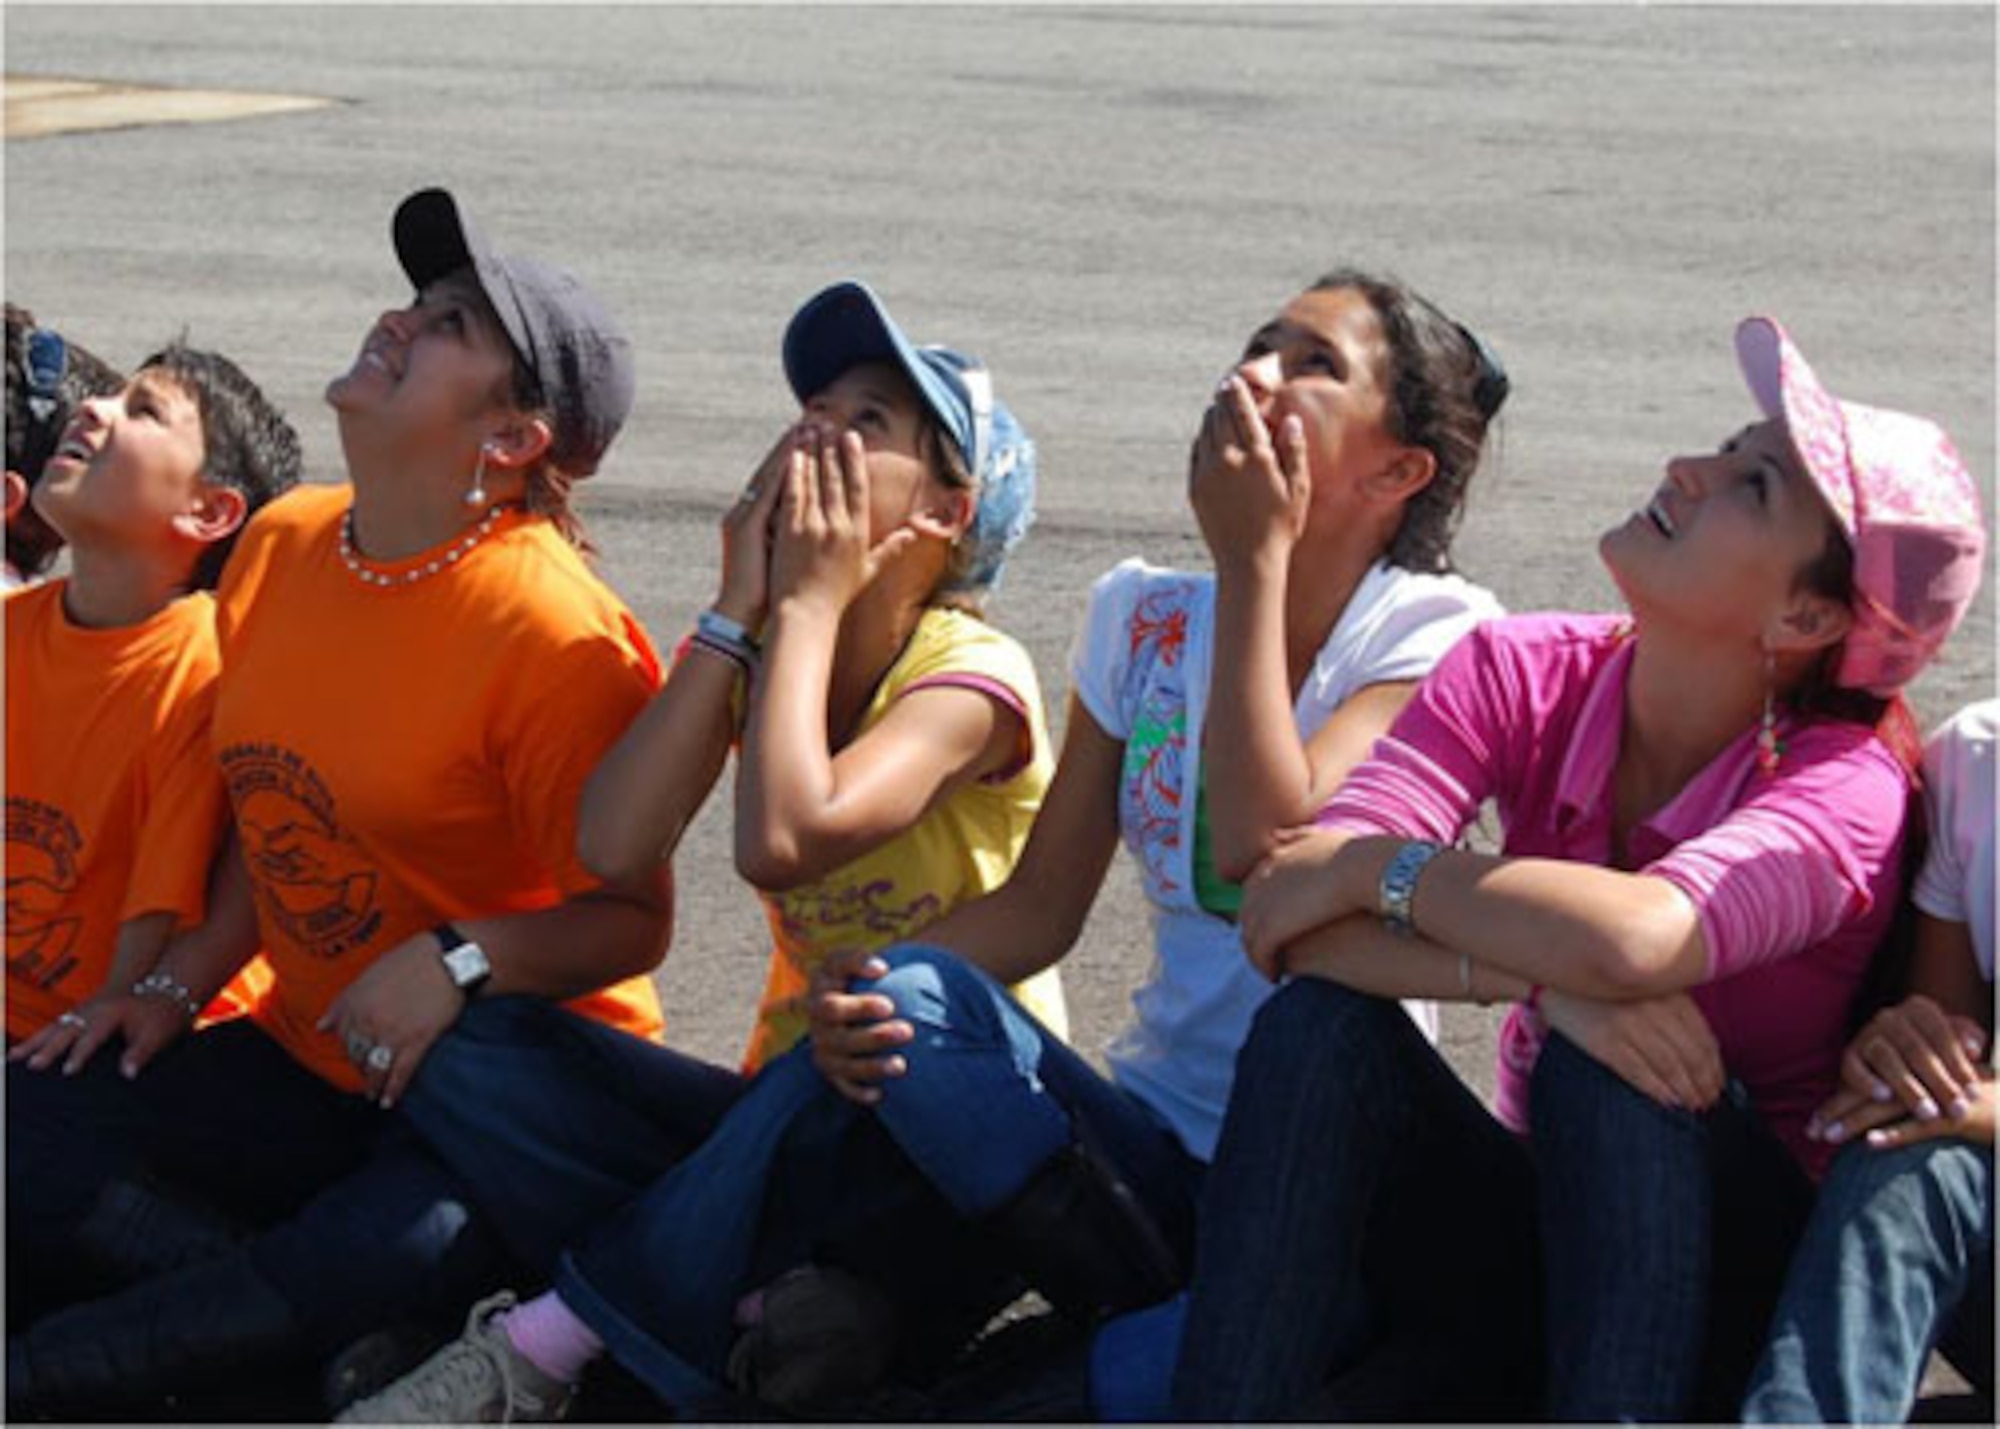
point(419, 672)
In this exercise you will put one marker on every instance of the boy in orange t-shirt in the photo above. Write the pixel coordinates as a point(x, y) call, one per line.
point(114, 798)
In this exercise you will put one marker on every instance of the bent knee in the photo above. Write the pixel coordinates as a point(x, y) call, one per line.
point(1577, 1101)
point(929, 986)
point(1929, 1183)
point(515, 1017)
point(1310, 1019)
point(462, 1060)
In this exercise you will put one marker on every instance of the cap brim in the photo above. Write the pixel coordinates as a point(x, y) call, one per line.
point(1759, 352)
point(847, 324)
point(435, 238)
point(1784, 385)
point(432, 237)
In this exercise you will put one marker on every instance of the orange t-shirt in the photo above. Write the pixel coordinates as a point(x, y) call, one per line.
point(399, 756)
point(114, 800)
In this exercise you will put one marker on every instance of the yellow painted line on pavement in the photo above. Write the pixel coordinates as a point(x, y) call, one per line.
point(38, 106)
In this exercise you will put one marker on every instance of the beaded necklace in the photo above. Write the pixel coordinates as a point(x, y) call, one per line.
point(351, 558)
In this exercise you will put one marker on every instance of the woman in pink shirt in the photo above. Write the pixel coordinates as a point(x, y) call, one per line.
point(1703, 836)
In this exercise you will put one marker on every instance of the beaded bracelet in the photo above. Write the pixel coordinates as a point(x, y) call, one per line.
point(693, 641)
point(715, 647)
point(163, 984)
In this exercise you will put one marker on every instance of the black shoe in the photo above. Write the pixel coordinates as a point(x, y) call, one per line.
point(1034, 1369)
point(821, 1337)
point(1085, 1240)
point(184, 1332)
point(135, 1232)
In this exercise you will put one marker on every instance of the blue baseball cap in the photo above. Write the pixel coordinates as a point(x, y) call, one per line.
point(847, 324)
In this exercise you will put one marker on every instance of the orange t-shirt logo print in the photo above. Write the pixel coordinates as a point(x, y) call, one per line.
point(42, 850)
point(312, 883)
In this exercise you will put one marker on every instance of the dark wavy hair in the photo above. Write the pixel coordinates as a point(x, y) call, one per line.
point(247, 444)
point(1445, 387)
point(34, 428)
point(547, 487)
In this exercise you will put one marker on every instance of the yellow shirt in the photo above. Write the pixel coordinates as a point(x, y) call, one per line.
point(963, 848)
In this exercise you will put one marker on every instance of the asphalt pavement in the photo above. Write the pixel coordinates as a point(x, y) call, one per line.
point(1101, 202)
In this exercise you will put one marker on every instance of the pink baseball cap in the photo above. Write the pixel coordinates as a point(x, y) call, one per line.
point(1902, 496)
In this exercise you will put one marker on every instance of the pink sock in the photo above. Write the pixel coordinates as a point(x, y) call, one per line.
point(551, 1338)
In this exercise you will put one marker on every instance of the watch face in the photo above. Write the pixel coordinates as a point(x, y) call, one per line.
point(467, 964)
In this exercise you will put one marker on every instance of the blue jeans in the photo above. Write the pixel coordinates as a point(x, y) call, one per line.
point(990, 1095)
point(1367, 1242)
point(359, 1224)
point(659, 1279)
point(554, 1121)
point(573, 1137)
point(796, 1172)
point(1900, 1247)
point(1665, 1238)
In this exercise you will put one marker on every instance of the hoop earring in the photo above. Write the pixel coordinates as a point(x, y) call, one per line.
point(1769, 749)
point(476, 494)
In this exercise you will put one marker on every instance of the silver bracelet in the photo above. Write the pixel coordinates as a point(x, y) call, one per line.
point(163, 984)
point(1398, 889)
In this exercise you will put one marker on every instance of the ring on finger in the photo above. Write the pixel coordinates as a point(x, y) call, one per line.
point(359, 1048)
point(380, 1058)
point(72, 1018)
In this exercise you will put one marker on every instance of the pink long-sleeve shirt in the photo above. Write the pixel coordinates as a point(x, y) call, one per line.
point(1794, 876)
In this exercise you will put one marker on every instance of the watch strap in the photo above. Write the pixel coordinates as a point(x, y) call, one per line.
point(1396, 896)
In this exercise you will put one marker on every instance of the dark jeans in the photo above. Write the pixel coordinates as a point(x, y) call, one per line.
point(1897, 1260)
point(554, 1121)
point(674, 1187)
point(359, 1223)
point(796, 1172)
point(1367, 1243)
point(1665, 1239)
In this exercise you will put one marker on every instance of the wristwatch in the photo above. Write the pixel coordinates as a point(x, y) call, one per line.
point(1397, 892)
point(464, 960)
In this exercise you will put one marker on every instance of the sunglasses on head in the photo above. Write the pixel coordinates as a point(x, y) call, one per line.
point(47, 366)
point(1493, 385)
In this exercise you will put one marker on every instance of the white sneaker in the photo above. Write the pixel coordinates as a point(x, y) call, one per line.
point(479, 1378)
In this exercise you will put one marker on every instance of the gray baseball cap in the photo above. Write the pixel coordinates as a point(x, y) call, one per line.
point(557, 326)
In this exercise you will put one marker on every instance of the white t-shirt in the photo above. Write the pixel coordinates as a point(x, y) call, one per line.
point(1141, 668)
point(1956, 883)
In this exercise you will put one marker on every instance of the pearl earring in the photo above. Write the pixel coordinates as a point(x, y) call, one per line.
point(476, 495)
